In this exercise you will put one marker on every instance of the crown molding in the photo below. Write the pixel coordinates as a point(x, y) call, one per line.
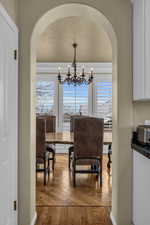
point(52, 68)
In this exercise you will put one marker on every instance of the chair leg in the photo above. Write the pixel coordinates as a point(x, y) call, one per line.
point(45, 171)
point(109, 161)
point(74, 173)
point(109, 157)
point(48, 168)
point(36, 173)
point(92, 166)
point(101, 171)
point(69, 160)
point(53, 164)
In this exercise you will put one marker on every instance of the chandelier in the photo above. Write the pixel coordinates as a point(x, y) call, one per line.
point(73, 77)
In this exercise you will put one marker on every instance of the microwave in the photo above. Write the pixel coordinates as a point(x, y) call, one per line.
point(143, 134)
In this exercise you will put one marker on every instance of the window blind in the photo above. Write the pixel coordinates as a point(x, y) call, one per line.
point(103, 99)
point(45, 96)
point(75, 101)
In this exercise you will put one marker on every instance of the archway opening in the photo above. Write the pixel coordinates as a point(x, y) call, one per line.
point(85, 12)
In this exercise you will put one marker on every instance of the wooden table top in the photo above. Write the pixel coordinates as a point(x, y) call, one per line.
point(67, 138)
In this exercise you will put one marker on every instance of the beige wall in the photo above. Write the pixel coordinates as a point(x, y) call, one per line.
point(96, 47)
point(141, 112)
point(117, 9)
point(11, 7)
point(119, 14)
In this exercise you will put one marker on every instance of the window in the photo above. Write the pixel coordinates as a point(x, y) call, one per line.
point(103, 99)
point(45, 96)
point(75, 101)
point(66, 100)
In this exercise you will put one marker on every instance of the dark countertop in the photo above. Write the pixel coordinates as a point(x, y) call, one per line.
point(142, 149)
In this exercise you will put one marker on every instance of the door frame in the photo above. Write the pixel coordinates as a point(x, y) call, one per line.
point(15, 30)
point(121, 37)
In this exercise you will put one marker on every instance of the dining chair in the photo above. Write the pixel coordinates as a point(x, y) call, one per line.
point(88, 146)
point(42, 155)
point(50, 124)
point(71, 149)
point(50, 128)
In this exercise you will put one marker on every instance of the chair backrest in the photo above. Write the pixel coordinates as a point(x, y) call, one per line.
point(40, 137)
point(72, 119)
point(50, 122)
point(88, 137)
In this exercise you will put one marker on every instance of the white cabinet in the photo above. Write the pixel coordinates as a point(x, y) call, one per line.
point(141, 49)
point(141, 188)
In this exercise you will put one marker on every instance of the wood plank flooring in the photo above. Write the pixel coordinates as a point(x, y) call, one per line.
point(73, 216)
point(59, 203)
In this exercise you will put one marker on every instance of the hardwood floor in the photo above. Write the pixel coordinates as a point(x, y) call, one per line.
point(73, 216)
point(58, 203)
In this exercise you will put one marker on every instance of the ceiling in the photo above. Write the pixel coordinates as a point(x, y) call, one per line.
point(55, 44)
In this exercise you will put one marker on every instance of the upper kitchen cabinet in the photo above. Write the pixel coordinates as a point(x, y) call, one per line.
point(141, 50)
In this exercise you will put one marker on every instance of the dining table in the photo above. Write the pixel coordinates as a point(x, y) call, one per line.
point(67, 137)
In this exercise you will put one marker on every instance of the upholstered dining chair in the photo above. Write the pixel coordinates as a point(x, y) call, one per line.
point(88, 146)
point(50, 123)
point(42, 155)
point(50, 127)
point(72, 119)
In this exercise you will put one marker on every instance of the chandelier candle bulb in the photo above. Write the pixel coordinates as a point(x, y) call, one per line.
point(59, 69)
point(83, 71)
point(59, 76)
point(91, 73)
point(69, 70)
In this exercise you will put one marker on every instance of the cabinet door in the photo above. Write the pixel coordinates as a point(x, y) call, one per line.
point(138, 50)
point(141, 187)
point(147, 49)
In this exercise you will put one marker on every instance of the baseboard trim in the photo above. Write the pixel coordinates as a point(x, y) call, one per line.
point(34, 219)
point(112, 219)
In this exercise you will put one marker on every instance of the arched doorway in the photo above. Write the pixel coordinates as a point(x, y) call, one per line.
point(122, 116)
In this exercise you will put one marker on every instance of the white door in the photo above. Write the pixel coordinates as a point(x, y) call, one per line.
point(8, 123)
